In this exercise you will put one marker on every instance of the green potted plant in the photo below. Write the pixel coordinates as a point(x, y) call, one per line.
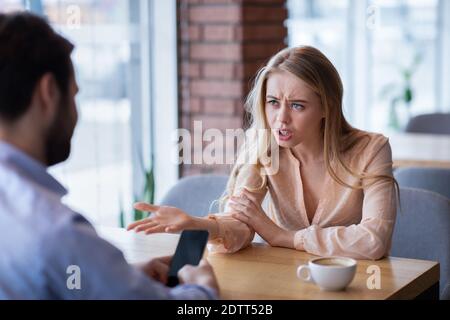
point(148, 195)
point(401, 93)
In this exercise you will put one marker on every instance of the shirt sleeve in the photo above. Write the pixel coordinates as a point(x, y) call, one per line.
point(371, 238)
point(75, 250)
point(233, 234)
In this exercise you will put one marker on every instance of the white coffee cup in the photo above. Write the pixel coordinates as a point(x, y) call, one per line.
point(329, 273)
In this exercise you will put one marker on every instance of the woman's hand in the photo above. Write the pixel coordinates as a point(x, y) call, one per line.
point(165, 219)
point(250, 212)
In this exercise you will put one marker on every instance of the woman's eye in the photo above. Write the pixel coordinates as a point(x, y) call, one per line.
point(273, 103)
point(297, 106)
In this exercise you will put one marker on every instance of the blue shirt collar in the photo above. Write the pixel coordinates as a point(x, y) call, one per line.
point(30, 167)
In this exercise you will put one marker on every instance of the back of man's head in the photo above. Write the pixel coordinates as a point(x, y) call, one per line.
point(29, 49)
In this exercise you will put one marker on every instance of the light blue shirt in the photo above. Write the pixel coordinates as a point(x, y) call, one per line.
point(41, 238)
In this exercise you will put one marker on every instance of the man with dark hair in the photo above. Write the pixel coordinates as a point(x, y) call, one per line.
point(40, 238)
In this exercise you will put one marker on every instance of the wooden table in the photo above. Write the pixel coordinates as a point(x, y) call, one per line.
point(420, 150)
point(264, 272)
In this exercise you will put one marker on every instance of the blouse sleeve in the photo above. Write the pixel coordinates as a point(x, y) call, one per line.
point(233, 234)
point(371, 238)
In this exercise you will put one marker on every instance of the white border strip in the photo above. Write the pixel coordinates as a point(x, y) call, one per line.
point(165, 93)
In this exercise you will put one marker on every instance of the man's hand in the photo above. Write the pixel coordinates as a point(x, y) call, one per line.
point(202, 275)
point(157, 269)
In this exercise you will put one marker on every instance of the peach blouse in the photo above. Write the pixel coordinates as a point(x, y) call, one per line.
point(357, 223)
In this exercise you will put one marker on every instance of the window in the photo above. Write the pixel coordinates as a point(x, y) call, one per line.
point(321, 24)
point(405, 41)
point(375, 44)
point(114, 64)
point(324, 25)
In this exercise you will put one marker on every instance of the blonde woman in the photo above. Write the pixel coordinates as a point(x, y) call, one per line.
point(333, 194)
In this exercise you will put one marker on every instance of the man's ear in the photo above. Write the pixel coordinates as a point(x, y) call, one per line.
point(49, 95)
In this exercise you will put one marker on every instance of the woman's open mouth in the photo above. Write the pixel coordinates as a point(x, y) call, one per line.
point(284, 134)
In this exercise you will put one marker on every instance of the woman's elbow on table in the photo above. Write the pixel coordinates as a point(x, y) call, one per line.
point(355, 241)
point(377, 251)
point(218, 246)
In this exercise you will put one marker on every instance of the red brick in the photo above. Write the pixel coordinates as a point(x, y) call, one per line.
point(265, 2)
point(261, 32)
point(218, 122)
point(190, 33)
point(219, 33)
point(190, 69)
point(183, 13)
point(224, 169)
point(223, 43)
point(222, 1)
point(213, 88)
point(215, 14)
point(191, 105)
point(184, 50)
point(221, 106)
point(216, 52)
point(194, 33)
point(248, 69)
point(261, 50)
point(264, 14)
point(184, 86)
point(185, 121)
point(218, 70)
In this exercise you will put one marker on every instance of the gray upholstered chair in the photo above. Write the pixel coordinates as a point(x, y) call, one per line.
point(196, 195)
point(422, 231)
point(432, 179)
point(435, 123)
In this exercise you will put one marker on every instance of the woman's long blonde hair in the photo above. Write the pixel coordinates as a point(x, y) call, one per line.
point(313, 67)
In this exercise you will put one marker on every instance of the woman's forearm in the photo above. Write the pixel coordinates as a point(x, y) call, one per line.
point(284, 238)
point(210, 225)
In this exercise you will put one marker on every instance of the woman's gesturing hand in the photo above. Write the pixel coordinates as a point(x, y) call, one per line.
point(164, 219)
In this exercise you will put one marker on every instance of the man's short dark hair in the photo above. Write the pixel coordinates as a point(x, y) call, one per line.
point(29, 48)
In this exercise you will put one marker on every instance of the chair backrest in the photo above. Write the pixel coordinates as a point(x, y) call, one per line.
point(432, 179)
point(196, 195)
point(435, 123)
point(422, 231)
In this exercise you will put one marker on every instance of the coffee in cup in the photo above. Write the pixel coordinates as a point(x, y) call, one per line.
point(330, 273)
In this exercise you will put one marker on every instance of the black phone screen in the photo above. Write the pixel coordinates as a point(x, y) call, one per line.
point(189, 250)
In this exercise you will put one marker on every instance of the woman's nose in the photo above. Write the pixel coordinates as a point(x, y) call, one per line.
point(283, 115)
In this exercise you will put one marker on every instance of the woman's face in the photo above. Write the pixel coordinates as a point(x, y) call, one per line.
point(293, 110)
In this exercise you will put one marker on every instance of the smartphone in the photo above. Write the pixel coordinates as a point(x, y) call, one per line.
point(189, 250)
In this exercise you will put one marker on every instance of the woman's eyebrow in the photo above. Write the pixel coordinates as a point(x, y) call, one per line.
point(299, 100)
point(291, 100)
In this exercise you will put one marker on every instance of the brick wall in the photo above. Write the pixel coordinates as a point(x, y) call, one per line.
point(222, 44)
